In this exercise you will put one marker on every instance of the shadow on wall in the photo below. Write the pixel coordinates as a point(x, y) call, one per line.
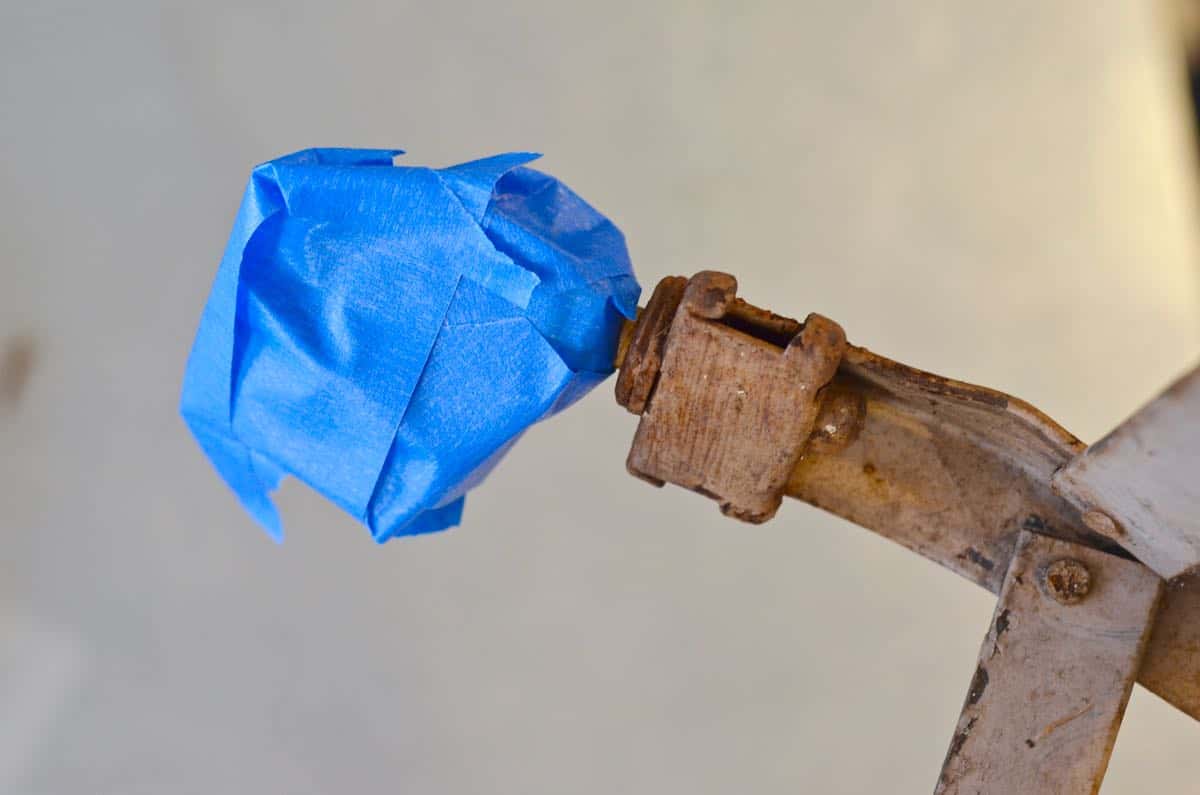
point(17, 357)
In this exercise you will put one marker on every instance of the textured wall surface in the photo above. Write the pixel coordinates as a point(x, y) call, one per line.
point(1002, 192)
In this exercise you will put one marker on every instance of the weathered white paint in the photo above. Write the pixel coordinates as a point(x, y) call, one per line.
point(1145, 476)
point(1050, 689)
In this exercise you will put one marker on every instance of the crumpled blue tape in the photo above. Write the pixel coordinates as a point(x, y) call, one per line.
point(385, 333)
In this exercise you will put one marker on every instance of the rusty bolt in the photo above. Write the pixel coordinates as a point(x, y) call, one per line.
point(838, 422)
point(1067, 581)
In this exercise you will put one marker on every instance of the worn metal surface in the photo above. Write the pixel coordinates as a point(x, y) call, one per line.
point(1140, 484)
point(950, 490)
point(956, 472)
point(950, 470)
point(1046, 700)
point(1171, 667)
point(731, 411)
point(642, 344)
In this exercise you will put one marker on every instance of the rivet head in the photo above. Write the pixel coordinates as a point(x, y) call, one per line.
point(1066, 581)
point(1101, 523)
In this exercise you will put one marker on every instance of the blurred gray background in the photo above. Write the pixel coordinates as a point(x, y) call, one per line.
point(1001, 192)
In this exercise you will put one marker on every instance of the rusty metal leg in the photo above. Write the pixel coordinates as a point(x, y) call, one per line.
point(1054, 673)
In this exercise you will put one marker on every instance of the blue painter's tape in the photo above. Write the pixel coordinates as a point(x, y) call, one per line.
point(385, 333)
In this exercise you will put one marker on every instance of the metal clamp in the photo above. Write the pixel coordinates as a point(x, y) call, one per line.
point(728, 392)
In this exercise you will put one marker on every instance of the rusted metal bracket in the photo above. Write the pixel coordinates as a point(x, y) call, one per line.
point(731, 412)
point(746, 406)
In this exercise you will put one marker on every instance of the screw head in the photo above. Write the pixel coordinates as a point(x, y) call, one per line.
point(1067, 581)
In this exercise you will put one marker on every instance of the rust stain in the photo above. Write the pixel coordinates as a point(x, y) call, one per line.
point(877, 483)
point(956, 746)
point(1058, 724)
point(979, 683)
point(1035, 524)
point(978, 558)
point(16, 365)
point(725, 410)
point(929, 382)
point(761, 323)
point(640, 352)
point(839, 420)
point(1002, 625)
point(1002, 622)
point(1067, 581)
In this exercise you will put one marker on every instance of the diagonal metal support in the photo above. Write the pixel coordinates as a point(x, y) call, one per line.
point(1054, 674)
